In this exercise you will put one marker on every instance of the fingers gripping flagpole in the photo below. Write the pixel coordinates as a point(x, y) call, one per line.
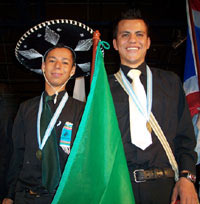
point(96, 38)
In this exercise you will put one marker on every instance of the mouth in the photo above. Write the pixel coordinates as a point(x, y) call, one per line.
point(132, 48)
point(56, 75)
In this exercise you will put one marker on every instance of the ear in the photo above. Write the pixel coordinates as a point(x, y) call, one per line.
point(73, 70)
point(43, 67)
point(148, 42)
point(115, 44)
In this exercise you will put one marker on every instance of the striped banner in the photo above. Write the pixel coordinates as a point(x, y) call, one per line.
point(192, 64)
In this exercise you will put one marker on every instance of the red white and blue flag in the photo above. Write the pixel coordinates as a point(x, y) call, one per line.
point(192, 63)
point(192, 67)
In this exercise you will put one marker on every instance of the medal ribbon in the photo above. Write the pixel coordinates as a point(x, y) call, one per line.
point(128, 86)
point(52, 122)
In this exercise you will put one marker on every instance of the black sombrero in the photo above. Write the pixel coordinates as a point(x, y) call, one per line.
point(33, 45)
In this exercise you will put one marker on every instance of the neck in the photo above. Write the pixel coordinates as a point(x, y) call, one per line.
point(51, 91)
point(133, 66)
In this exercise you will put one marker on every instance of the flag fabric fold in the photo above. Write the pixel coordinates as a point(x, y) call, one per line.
point(192, 67)
point(96, 171)
point(192, 64)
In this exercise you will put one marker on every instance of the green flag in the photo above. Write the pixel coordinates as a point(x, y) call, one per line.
point(96, 171)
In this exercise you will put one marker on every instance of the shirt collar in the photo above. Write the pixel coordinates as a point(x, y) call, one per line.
point(59, 97)
point(141, 67)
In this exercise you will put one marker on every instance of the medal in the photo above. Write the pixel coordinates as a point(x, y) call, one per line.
point(39, 154)
point(148, 127)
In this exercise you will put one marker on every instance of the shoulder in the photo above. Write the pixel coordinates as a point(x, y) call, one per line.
point(112, 80)
point(29, 104)
point(31, 101)
point(75, 101)
point(163, 73)
point(75, 104)
point(165, 77)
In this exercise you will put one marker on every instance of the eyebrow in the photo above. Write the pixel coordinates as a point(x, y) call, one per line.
point(126, 31)
point(53, 57)
point(140, 31)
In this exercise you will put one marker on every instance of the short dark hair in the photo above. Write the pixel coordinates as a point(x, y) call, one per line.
point(131, 14)
point(61, 45)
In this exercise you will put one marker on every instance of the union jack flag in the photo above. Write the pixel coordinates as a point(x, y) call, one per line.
point(192, 64)
point(192, 67)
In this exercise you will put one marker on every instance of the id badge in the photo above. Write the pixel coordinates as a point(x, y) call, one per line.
point(66, 136)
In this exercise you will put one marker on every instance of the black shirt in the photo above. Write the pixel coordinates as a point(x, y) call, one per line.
point(170, 110)
point(25, 169)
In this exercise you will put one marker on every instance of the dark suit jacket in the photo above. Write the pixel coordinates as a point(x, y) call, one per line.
point(25, 169)
point(171, 111)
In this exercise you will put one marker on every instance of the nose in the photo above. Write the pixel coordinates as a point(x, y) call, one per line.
point(58, 65)
point(132, 38)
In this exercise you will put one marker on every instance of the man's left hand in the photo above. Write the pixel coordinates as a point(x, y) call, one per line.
point(186, 191)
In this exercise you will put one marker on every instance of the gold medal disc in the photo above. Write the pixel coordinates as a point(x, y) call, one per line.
point(39, 154)
point(148, 127)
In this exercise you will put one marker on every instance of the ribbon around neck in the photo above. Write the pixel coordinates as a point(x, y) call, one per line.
point(128, 86)
point(52, 122)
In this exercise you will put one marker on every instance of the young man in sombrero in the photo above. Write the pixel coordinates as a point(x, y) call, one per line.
point(45, 126)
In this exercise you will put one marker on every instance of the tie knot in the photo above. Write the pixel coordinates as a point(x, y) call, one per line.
point(48, 98)
point(134, 73)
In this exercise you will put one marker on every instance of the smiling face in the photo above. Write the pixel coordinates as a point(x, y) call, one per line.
point(132, 42)
point(58, 68)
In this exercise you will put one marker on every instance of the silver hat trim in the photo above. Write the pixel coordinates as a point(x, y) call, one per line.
point(85, 67)
point(51, 36)
point(30, 54)
point(84, 45)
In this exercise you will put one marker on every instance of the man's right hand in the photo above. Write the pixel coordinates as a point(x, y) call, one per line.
point(7, 201)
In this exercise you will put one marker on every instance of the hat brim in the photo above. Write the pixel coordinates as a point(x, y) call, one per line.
point(33, 45)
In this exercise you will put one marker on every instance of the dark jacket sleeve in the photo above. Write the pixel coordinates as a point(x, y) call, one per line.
point(18, 154)
point(6, 122)
point(185, 141)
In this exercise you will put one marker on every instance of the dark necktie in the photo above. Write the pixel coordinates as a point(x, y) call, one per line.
point(50, 157)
